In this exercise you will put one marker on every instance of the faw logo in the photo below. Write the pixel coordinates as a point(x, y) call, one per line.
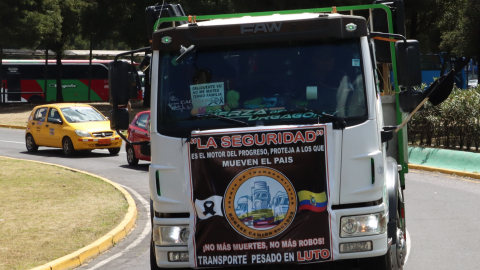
point(260, 27)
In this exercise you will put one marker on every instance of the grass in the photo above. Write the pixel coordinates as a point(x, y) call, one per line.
point(17, 114)
point(47, 212)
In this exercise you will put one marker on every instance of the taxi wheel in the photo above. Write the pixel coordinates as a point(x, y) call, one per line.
point(131, 159)
point(68, 148)
point(30, 143)
point(114, 151)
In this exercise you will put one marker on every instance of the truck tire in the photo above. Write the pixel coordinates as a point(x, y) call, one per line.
point(399, 249)
point(395, 257)
point(153, 260)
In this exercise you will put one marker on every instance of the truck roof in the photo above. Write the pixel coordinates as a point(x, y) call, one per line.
point(260, 29)
point(269, 18)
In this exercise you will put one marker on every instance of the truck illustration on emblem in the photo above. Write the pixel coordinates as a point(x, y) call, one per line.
point(280, 206)
point(262, 213)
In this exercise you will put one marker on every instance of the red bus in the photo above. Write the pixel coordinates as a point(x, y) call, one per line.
point(24, 81)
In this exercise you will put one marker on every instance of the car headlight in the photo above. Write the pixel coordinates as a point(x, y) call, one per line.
point(171, 235)
point(82, 133)
point(363, 225)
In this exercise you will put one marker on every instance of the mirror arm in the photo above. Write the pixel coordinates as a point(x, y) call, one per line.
point(409, 91)
point(146, 49)
point(388, 35)
point(129, 142)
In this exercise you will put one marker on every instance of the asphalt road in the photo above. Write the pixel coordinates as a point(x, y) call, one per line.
point(441, 211)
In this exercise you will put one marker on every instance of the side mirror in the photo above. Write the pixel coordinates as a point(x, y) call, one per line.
point(145, 150)
point(57, 121)
point(408, 63)
point(408, 105)
point(123, 80)
point(120, 119)
point(387, 133)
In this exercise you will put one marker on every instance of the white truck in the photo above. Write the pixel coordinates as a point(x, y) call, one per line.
point(289, 99)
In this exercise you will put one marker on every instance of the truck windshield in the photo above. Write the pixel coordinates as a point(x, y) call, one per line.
point(261, 82)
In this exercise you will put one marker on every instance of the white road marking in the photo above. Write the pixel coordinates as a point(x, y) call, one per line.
point(12, 142)
point(145, 232)
point(121, 152)
point(409, 243)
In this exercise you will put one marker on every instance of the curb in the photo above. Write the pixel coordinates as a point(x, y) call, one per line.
point(455, 160)
point(89, 252)
point(445, 171)
point(13, 126)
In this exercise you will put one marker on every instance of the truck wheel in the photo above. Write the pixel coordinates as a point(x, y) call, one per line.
point(399, 250)
point(30, 143)
point(114, 151)
point(153, 260)
point(378, 263)
point(395, 257)
point(131, 159)
point(68, 148)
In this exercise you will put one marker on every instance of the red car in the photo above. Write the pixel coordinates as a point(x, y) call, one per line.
point(138, 131)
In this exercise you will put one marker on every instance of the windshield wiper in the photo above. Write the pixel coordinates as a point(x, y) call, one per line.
point(335, 119)
point(226, 119)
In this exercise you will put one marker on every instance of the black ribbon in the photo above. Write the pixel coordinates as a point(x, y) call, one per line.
point(209, 208)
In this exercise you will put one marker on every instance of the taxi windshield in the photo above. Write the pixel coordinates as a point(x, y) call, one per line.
point(261, 82)
point(82, 114)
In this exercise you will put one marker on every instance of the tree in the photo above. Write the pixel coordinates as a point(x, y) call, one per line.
point(70, 13)
point(26, 23)
point(462, 35)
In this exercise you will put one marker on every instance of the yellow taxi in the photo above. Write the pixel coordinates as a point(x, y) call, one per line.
point(70, 127)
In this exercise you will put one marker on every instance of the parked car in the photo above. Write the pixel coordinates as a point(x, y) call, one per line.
point(70, 127)
point(138, 131)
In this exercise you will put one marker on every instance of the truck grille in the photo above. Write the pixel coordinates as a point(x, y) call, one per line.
point(103, 134)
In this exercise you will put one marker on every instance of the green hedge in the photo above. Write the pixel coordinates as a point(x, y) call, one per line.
point(453, 124)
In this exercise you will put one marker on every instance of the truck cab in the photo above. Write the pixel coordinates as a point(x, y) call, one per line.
point(280, 103)
point(264, 76)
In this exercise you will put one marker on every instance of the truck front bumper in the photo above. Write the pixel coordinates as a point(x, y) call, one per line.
point(379, 242)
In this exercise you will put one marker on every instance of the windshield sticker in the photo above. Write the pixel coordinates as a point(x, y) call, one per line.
point(208, 94)
point(176, 104)
point(262, 114)
point(260, 197)
point(355, 62)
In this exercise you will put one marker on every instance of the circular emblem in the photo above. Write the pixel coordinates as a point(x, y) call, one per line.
point(260, 203)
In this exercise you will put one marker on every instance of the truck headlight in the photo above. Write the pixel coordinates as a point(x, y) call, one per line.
point(171, 235)
point(82, 133)
point(363, 225)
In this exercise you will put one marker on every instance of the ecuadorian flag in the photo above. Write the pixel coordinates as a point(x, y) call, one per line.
point(316, 202)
